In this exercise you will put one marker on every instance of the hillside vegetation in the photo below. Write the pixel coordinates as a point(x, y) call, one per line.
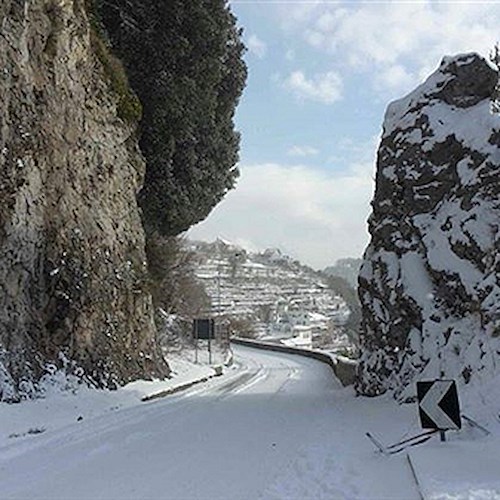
point(184, 61)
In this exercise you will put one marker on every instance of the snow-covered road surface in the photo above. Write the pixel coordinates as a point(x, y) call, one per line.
point(281, 427)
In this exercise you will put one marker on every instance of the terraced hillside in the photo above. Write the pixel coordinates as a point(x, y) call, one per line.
point(274, 295)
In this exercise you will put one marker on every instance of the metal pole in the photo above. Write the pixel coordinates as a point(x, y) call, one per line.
point(218, 293)
point(415, 477)
point(196, 341)
point(216, 340)
point(210, 331)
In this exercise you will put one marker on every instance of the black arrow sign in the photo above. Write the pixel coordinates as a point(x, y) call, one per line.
point(438, 405)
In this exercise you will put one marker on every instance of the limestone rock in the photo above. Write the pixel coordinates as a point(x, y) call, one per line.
point(430, 281)
point(72, 263)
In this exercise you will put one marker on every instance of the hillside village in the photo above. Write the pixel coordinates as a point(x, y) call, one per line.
point(271, 296)
point(138, 363)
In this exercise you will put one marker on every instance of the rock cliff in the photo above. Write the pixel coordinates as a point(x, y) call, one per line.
point(73, 287)
point(429, 284)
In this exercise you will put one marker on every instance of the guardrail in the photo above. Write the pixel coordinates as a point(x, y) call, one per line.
point(344, 369)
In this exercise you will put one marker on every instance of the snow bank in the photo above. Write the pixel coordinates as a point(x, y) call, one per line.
point(66, 402)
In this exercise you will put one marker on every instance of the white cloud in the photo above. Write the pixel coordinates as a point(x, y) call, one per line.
point(256, 46)
point(397, 43)
point(321, 87)
point(295, 14)
point(314, 215)
point(302, 151)
point(395, 77)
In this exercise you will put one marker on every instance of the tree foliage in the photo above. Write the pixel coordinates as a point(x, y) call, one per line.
point(348, 293)
point(173, 284)
point(129, 107)
point(184, 61)
point(240, 326)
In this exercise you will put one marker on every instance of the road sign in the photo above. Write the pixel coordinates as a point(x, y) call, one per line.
point(438, 405)
point(204, 329)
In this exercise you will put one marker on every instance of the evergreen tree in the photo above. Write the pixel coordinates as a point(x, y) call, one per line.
point(184, 61)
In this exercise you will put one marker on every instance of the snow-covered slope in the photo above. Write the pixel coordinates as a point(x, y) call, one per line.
point(347, 269)
point(277, 295)
point(429, 284)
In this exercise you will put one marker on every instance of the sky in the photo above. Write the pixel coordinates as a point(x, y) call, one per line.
point(321, 75)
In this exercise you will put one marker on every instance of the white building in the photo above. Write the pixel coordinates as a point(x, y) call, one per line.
point(302, 337)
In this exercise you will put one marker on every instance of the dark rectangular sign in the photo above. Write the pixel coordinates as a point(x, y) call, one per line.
point(204, 328)
point(438, 404)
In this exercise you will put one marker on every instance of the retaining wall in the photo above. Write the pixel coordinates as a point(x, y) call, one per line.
point(344, 369)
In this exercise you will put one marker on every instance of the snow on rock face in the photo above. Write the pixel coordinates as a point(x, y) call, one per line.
point(429, 285)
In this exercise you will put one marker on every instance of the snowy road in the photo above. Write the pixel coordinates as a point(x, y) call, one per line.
point(282, 427)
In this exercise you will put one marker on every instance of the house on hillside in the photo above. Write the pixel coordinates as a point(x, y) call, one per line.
point(297, 314)
point(295, 320)
point(302, 337)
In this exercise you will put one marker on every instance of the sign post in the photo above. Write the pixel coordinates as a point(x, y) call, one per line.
point(195, 334)
point(204, 329)
point(210, 344)
point(438, 406)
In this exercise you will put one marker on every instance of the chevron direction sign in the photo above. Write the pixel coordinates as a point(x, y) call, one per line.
point(438, 405)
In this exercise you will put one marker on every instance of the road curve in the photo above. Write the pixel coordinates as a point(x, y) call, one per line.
point(226, 442)
point(280, 427)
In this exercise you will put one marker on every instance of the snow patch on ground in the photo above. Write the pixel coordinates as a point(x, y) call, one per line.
point(67, 402)
point(467, 465)
point(275, 427)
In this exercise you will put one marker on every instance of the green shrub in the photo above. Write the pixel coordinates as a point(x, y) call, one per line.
point(129, 107)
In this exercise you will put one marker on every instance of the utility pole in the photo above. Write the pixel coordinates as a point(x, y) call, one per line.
point(219, 298)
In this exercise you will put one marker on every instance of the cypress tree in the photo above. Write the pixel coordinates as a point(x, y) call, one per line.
point(184, 61)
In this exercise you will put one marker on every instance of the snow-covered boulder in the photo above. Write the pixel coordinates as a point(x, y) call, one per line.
point(429, 285)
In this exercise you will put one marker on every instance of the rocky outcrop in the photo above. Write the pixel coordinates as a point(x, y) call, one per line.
point(73, 281)
point(430, 281)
